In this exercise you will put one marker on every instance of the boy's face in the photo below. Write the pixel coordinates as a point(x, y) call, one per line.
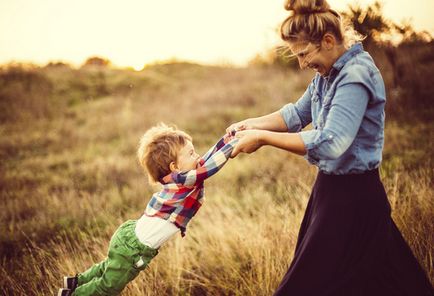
point(188, 159)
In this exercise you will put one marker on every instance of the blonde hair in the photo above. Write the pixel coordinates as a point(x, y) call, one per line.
point(310, 20)
point(158, 147)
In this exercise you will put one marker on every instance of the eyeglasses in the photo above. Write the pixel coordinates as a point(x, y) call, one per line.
point(307, 53)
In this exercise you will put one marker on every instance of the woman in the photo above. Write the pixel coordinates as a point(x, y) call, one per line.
point(348, 243)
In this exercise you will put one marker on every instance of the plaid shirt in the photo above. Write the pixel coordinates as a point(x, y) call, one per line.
point(183, 192)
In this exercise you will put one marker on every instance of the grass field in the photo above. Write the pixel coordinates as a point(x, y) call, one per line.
point(69, 177)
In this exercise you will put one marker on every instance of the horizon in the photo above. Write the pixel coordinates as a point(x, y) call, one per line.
point(137, 33)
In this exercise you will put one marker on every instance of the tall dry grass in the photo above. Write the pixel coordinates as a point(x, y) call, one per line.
point(69, 177)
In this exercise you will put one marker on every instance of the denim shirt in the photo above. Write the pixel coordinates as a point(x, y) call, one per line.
point(346, 110)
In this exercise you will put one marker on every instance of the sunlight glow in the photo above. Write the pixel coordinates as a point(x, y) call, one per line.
point(138, 67)
point(137, 32)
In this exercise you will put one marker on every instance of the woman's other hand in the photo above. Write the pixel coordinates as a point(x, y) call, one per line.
point(249, 141)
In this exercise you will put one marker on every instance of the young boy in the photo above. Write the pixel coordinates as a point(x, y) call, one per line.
point(168, 157)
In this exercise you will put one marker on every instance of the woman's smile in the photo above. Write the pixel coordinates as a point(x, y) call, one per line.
point(314, 66)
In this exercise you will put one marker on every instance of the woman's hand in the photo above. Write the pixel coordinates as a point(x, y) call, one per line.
point(249, 141)
point(253, 139)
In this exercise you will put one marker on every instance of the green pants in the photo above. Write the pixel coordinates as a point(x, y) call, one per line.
point(126, 258)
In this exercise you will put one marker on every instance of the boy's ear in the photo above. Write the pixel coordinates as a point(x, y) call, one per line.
point(173, 167)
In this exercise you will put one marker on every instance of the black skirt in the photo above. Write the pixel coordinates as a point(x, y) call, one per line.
point(349, 245)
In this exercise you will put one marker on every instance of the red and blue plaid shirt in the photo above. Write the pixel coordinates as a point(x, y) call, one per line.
point(183, 192)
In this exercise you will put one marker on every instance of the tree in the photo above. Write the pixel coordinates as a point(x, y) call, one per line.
point(97, 61)
point(369, 21)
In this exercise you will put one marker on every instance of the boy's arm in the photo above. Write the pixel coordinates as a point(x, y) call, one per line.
point(213, 161)
point(222, 142)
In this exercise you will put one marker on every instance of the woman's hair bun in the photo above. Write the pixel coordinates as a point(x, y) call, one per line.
point(307, 6)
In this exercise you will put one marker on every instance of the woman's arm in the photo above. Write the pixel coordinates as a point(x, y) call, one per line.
point(252, 140)
point(341, 126)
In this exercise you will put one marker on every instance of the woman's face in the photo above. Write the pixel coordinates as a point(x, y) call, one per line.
point(319, 57)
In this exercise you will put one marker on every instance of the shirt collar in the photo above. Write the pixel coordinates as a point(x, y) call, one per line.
point(349, 54)
point(167, 179)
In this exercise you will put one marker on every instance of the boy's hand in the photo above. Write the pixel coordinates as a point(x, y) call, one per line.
point(238, 126)
point(249, 142)
point(228, 137)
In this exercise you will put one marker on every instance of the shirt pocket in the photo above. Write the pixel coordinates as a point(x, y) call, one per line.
point(325, 107)
point(315, 108)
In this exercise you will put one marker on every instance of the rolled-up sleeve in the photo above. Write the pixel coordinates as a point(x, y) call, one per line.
point(347, 109)
point(298, 115)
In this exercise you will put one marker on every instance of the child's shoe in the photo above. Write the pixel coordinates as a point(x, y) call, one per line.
point(70, 282)
point(64, 292)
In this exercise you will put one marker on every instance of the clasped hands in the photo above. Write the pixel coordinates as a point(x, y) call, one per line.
point(249, 138)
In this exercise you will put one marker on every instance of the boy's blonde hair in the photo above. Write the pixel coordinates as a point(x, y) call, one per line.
point(310, 20)
point(158, 147)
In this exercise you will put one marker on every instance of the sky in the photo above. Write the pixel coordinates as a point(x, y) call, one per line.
point(132, 33)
